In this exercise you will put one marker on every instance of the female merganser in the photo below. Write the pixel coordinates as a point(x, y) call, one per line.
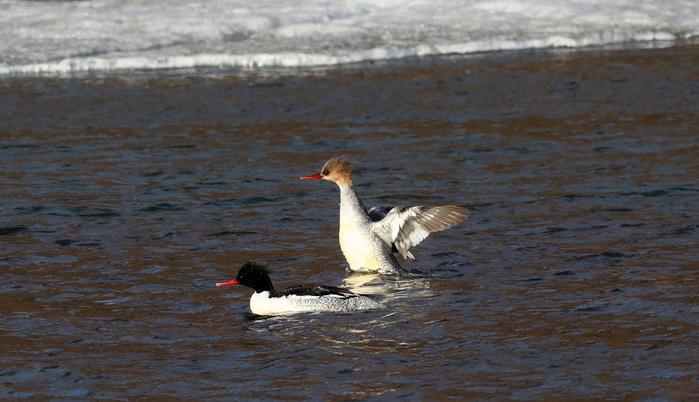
point(297, 299)
point(369, 238)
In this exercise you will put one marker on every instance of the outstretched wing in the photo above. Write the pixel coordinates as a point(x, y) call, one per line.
point(405, 227)
point(378, 213)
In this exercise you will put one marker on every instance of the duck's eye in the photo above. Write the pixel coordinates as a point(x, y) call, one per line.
point(325, 172)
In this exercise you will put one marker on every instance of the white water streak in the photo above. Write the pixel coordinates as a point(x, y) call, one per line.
point(106, 35)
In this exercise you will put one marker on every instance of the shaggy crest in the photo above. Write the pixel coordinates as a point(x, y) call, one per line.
point(339, 167)
point(252, 266)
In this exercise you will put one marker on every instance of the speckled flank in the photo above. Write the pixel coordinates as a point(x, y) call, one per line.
point(262, 304)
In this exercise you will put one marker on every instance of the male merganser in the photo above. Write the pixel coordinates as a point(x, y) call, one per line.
point(296, 299)
point(369, 238)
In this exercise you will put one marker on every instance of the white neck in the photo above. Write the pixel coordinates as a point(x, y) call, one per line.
point(351, 207)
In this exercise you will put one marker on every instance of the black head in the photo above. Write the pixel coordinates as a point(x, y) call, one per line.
point(252, 275)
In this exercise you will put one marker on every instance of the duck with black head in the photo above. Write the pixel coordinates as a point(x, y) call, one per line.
point(296, 299)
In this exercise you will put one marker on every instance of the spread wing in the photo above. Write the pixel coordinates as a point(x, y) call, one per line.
point(378, 213)
point(317, 290)
point(405, 227)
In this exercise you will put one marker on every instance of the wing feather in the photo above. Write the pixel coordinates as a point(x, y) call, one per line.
point(317, 290)
point(405, 227)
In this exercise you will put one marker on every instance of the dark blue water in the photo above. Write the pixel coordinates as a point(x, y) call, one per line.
point(123, 200)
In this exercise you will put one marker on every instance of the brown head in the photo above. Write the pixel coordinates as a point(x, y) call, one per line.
point(337, 170)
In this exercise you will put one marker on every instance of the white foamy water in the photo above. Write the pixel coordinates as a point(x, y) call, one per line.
point(105, 35)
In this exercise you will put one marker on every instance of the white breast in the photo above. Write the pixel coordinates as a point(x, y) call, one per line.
point(359, 247)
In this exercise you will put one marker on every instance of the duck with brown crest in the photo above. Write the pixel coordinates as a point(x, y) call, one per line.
point(368, 238)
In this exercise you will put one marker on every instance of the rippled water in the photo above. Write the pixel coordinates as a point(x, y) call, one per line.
point(123, 199)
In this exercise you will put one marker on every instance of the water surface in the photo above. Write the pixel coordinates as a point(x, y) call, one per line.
point(123, 199)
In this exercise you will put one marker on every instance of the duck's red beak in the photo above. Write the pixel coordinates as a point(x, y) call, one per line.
point(311, 177)
point(231, 282)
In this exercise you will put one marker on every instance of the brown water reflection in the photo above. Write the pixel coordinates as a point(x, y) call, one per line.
point(125, 198)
